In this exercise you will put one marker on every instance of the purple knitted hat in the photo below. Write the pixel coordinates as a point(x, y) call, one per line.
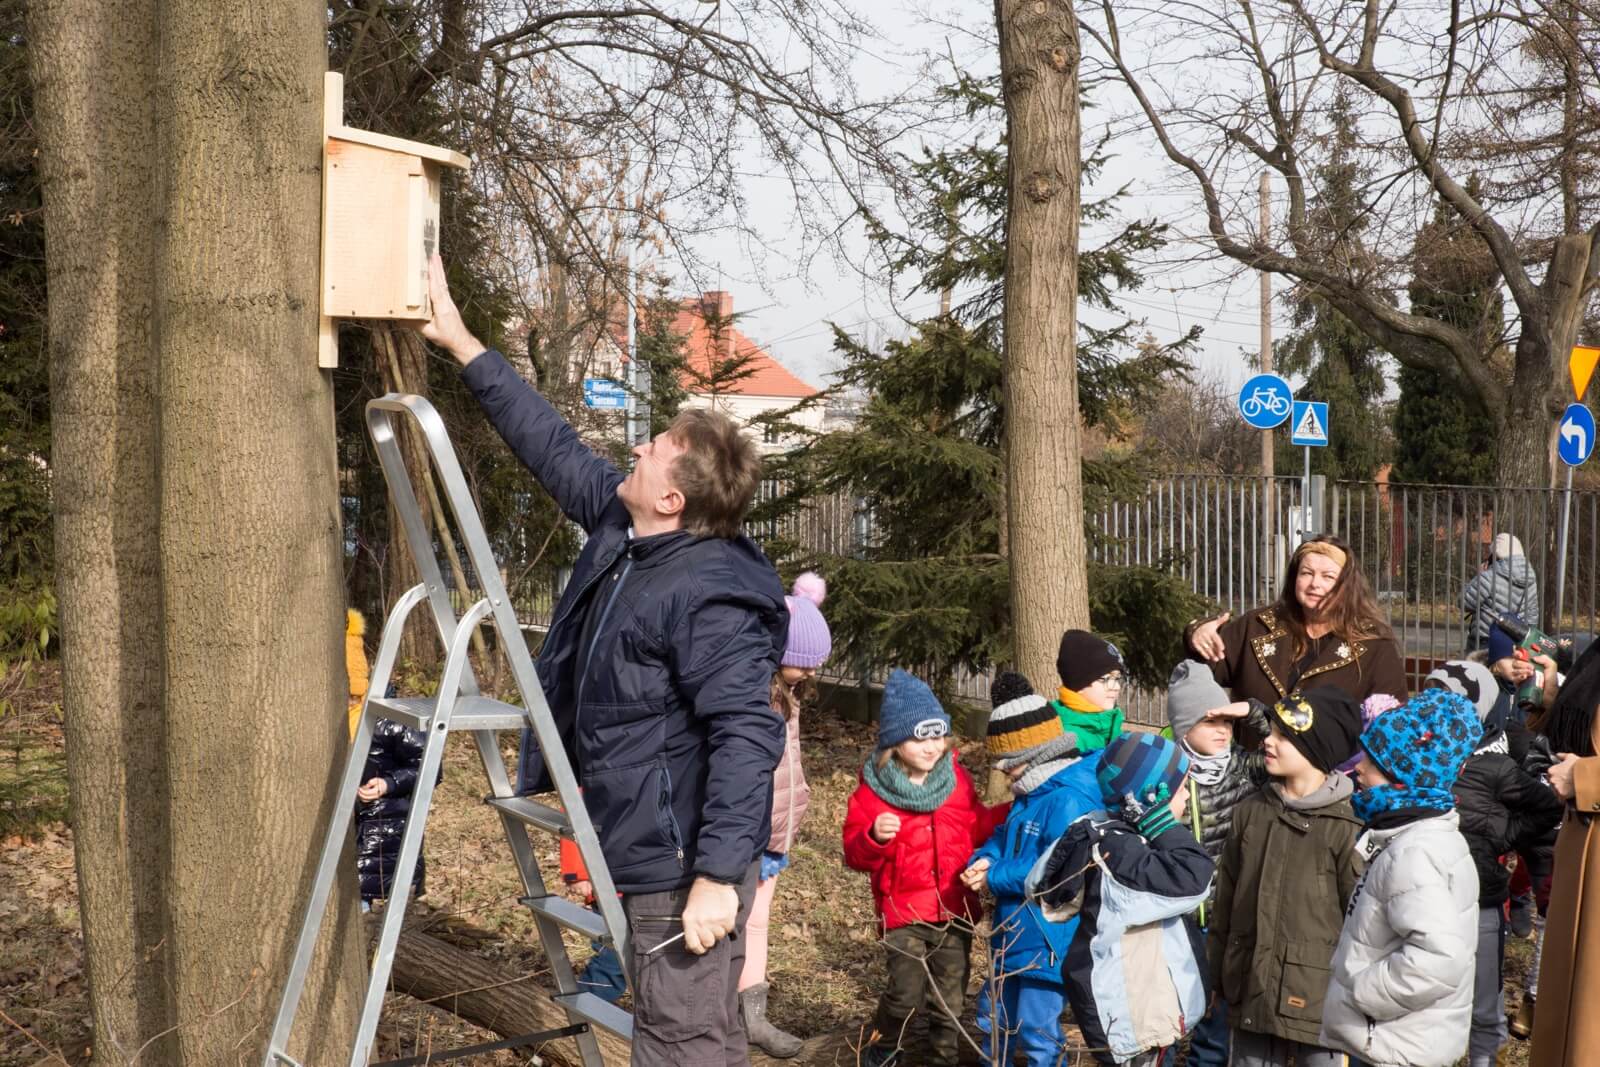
point(809, 639)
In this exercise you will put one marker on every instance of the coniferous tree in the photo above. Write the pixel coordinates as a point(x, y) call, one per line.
point(924, 459)
point(1441, 435)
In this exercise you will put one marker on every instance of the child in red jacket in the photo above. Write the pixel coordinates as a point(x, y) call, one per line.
point(912, 824)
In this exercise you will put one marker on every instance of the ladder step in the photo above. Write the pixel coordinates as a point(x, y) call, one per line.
point(472, 712)
point(533, 813)
point(593, 1009)
point(572, 916)
point(284, 1057)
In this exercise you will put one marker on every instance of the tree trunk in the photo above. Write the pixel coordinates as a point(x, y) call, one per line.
point(251, 568)
point(197, 515)
point(1049, 582)
point(90, 77)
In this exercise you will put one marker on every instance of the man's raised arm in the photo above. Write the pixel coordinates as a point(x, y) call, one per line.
point(582, 483)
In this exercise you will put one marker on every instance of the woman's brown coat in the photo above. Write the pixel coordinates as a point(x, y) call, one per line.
point(1566, 1026)
point(1258, 660)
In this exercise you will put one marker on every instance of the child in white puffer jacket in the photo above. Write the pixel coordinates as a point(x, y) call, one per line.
point(1401, 988)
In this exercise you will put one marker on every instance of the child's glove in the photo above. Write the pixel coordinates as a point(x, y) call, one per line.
point(1158, 820)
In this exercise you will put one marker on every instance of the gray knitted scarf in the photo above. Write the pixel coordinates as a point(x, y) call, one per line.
point(891, 783)
point(1043, 762)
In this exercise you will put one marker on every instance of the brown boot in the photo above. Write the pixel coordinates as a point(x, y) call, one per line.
point(1520, 1024)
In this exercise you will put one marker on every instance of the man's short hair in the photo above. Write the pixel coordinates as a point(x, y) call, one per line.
point(717, 472)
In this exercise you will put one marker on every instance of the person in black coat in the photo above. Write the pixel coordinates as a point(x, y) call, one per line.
point(382, 804)
point(1502, 809)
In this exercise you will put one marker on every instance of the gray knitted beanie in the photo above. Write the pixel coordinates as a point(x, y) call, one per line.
point(1192, 692)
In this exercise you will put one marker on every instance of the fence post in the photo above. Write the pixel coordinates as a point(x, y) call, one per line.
point(1319, 489)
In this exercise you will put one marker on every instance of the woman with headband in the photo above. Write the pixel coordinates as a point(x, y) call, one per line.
point(1325, 629)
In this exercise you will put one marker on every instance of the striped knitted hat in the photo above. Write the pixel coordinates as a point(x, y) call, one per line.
point(1139, 771)
point(1021, 718)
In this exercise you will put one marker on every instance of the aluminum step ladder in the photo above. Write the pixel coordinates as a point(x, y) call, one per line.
point(460, 707)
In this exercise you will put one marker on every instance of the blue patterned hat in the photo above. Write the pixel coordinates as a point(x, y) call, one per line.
point(1423, 743)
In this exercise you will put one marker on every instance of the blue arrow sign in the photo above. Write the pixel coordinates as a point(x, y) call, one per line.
point(1309, 425)
point(1265, 401)
point(1575, 435)
point(604, 393)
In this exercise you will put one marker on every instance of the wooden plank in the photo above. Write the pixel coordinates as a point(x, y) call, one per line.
point(400, 144)
point(332, 119)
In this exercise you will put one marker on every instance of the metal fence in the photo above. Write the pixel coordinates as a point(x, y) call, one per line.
point(1231, 539)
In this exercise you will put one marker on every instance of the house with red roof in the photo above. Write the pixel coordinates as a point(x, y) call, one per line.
point(712, 342)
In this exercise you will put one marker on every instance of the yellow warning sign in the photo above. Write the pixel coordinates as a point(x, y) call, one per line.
point(1581, 366)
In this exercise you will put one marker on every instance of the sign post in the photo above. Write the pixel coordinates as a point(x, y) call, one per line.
point(1574, 444)
point(1309, 428)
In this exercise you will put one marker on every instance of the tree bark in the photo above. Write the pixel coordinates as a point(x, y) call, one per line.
point(91, 76)
point(250, 523)
point(1039, 57)
point(197, 515)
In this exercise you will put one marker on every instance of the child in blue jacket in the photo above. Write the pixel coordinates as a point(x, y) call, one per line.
point(1128, 878)
point(1020, 1006)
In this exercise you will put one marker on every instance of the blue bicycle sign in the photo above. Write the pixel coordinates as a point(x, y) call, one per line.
point(1265, 401)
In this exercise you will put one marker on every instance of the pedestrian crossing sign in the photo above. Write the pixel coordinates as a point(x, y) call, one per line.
point(1309, 424)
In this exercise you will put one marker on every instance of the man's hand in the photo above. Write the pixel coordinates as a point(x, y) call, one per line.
point(709, 915)
point(372, 790)
point(579, 891)
point(446, 329)
point(884, 827)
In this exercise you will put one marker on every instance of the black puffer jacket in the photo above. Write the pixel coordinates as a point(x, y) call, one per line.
point(395, 756)
point(1502, 808)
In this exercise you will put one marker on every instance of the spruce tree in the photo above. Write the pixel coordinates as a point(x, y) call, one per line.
point(924, 462)
point(1441, 434)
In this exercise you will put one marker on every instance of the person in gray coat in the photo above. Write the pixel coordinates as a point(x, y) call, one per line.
point(1505, 585)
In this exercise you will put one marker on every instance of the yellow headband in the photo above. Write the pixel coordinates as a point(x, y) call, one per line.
point(1322, 548)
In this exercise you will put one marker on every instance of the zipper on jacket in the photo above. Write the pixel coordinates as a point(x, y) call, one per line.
point(599, 628)
point(664, 806)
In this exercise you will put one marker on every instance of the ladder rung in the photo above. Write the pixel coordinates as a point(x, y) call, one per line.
point(593, 1009)
point(572, 916)
point(284, 1057)
point(472, 712)
point(533, 813)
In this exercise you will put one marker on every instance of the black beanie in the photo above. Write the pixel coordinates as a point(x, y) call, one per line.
point(1324, 723)
point(1085, 658)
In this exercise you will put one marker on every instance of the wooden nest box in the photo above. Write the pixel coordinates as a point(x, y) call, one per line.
point(380, 222)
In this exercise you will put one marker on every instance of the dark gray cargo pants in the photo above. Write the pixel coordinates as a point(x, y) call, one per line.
point(686, 1007)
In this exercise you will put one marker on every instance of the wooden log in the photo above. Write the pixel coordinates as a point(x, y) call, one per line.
point(492, 996)
point(486, 994)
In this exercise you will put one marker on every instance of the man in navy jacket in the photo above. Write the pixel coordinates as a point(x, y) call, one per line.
point(658, 668)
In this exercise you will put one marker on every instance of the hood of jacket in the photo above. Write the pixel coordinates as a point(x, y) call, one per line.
point(1514, 571)
point(1335, 787)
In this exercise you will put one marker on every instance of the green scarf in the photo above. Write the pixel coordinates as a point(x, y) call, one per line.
point(1095, 729)
point(891, 783)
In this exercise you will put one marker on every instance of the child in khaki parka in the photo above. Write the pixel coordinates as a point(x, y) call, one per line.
point(1284, 880)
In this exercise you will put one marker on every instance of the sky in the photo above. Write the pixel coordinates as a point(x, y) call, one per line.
point(787, 308)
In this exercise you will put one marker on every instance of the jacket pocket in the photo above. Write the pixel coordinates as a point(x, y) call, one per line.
point(631, 807)
point(679, 995)
point(1303, 986)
